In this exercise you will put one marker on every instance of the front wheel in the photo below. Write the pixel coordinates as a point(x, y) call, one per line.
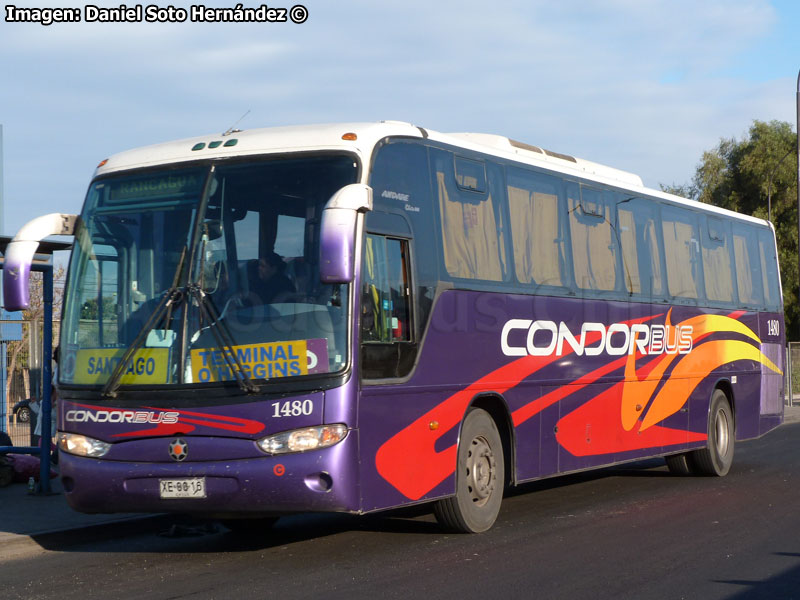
point(680, 464)
point(717, 457)
point(480, 476)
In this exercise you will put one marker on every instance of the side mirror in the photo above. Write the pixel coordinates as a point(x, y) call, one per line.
point(337, 237)
point(19, 255)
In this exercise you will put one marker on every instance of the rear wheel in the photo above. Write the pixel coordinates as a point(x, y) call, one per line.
point(717, 457)
point(480, 476)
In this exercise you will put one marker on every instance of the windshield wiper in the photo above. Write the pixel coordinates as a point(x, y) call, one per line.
point(219, 328)
point(223, 337)
point(171, 299)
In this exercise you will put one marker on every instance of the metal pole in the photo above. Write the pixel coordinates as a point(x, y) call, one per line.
point(2, 197)
point(47, 356)
point(797, 98)
point(789, 371)
point(3, 376)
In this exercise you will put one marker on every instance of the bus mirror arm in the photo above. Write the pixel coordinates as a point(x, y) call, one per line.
point(338, 232)
point(20, 252)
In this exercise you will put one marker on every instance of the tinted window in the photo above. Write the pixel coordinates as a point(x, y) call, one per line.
point(769, 269)
point(748, 267)
point(637, 222)
point(536, 227)
point(717, 262)
point(682, 252)
point(594, 243)
point(471, 224)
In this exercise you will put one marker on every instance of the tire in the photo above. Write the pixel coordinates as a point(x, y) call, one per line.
point(24, 415)
point(717, 457)
point(480, 477)
point(250, 526)
point(680, 464)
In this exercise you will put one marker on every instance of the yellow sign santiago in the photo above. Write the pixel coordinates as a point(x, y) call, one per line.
point(148, 366)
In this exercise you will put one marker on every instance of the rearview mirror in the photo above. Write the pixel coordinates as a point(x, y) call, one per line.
point(19, 255)
point(337, 236)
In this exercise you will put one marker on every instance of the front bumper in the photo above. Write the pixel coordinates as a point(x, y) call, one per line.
point(318, 480)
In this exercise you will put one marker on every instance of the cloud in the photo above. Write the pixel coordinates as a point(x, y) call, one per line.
point(643, 85)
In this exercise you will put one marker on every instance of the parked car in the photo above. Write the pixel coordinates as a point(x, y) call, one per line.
point(22, 411)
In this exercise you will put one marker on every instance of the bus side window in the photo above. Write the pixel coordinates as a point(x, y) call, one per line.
point(682, 251)
point(717, 261)
point(537, 228)
point(748, 275)
point(594, 243)
point(769, 270)
point(640, 246)
point(470, 219)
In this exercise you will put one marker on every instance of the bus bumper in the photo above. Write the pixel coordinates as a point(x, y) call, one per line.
point(320, 480)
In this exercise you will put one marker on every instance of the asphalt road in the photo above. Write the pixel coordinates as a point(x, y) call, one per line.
point(629, 532)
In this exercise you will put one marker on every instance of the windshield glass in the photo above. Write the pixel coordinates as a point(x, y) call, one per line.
point(198, 270)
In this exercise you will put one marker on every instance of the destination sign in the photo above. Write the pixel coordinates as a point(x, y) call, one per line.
point(261, 361)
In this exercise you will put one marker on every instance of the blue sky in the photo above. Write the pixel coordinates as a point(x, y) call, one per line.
point(640, 85)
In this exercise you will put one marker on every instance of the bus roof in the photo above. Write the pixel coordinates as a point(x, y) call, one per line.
point(361, 139)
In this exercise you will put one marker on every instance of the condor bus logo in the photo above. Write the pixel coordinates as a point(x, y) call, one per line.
point(522, 337)
point(121, 416)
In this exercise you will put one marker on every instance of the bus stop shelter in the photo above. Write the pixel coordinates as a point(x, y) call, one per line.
point(42, 263)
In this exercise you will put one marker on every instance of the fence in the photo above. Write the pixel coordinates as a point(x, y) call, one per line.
point(793, 374)
point(23, 383)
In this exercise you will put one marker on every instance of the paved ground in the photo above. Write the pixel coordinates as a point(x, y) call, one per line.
point(26, 520)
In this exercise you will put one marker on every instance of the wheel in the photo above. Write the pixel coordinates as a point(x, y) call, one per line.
point(480, 476)
point(250, 526)
point(24, 415)
point(680, 464)
point(717, 457)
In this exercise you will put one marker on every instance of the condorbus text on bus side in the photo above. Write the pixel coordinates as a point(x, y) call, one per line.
point(546, 338)
point(122, 416)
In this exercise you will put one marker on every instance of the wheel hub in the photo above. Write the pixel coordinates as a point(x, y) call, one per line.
point(481, 470)
point(722, 441)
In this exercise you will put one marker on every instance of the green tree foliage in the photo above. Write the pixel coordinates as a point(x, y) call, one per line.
point(89, 308)
point(739, 174)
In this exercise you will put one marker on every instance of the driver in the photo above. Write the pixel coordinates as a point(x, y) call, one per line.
point(268, 280)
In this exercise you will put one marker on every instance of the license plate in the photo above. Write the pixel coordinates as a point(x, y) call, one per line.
point(183, 488)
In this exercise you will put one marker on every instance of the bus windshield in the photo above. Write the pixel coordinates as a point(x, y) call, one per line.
point(199, 271)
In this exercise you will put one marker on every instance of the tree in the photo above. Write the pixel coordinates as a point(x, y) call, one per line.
point(738, 175)
point(89, 308)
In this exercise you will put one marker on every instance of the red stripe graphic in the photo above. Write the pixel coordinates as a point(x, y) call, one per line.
point(409, 460)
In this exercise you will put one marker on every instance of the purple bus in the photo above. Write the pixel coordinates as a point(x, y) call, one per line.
point(359, 317)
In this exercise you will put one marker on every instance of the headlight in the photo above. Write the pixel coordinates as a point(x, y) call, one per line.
point(300, 440)
point(82, 445)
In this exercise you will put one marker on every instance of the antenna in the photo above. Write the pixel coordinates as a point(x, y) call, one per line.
point(232, 128)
